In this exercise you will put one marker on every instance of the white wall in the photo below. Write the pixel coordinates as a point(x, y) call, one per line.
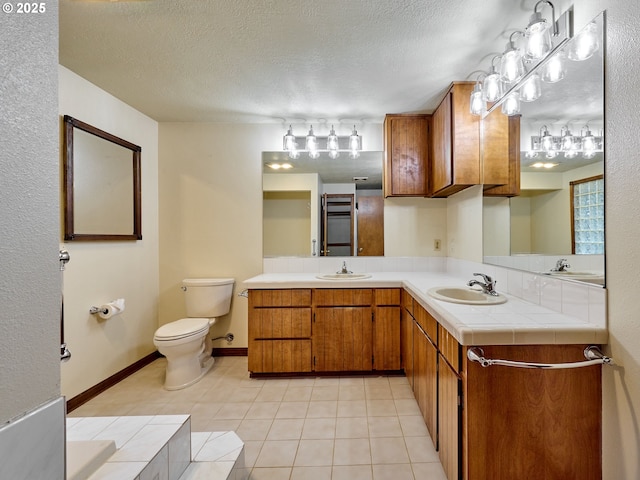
point(103, 271)
point(464, 224)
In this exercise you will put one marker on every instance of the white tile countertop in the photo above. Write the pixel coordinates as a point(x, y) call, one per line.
point(516, 322)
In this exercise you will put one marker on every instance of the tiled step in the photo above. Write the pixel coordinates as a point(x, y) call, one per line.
point(86, 456)
point(161, 446)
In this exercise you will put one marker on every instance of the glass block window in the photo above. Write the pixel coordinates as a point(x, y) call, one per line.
point(587, 215)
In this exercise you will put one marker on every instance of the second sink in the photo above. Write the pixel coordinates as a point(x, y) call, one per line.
point(465, 295)
point(343, 276)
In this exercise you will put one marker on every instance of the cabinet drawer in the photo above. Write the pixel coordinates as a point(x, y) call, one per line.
point(330, 297)
point(387, 296)
point(280, 298)
point(449, 348)
point(407, 302)
point(279, 356)
point(280, 323)
point(428, 323)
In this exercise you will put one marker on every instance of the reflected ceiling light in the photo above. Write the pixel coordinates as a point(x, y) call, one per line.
point(554, 70)
point(538, 33)
point(333, 143)
point(585, 43)
point(492, 85)
point(511, 104)
point(531, 89)
point(355, 144)
point(279, 166)
point(511, 63)
point(566, 143)
point(289, 141)
point(477, 105)
point(312, 144)
point(544, 165)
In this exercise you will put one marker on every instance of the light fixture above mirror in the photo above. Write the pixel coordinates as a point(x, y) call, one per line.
point(333, 144)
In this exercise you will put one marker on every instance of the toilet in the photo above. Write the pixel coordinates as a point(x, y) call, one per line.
point(185, 342)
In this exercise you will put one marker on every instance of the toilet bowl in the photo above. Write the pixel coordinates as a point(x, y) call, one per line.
point(185, 343)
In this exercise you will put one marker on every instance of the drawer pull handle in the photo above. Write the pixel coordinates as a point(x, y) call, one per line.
point(592, 353)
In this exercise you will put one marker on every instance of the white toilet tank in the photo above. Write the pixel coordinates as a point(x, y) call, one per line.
point(207, 297)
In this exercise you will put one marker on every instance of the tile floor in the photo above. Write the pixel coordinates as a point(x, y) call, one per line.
point(305, 428)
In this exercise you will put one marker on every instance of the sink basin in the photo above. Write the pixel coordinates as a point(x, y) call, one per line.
point(343, 276)
point(465, 295)
point(590, 277)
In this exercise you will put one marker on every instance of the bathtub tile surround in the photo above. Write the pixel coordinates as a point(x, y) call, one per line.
point(32, 446)
point(160, 447)
point(583, 301)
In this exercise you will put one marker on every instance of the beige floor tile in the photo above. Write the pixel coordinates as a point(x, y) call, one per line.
point(388, 450)
point(401, 471)
point(351, 381)
point(352, 451)
point(326, 381)
point(352, 427)
point(263, 410)
point(270, 393)
point(297, 394)
point(270, 474)
point(243, 394)
point(319, 428)
point(286, 429)
point(352, 408)
point(421, 450)
point(376, 381)
point(381, 408)
point(384, 427)
point(277, 453)
point(430, 471)
point(292, 410)
point(402, 391)
point(314, 453)
point(351, 392)
point(407, 407)
point(378, 392)
point(321, 393)
point(236, 410)
point(352, 472)
point(413, 426)
point(251, 451)
point(254, 429)
point(311, 473)
point(323, 409)
point(218, 425)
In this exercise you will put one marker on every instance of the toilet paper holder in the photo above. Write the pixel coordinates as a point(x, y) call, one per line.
point(98, 310)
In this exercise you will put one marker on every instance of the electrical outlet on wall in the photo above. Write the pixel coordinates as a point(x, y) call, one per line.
point(437, 244)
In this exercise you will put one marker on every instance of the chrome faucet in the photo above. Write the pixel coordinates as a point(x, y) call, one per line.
point(344, 270)
point(488, 286)
point(561, 265)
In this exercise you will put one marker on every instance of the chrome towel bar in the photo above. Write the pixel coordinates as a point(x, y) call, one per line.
point(592, 353)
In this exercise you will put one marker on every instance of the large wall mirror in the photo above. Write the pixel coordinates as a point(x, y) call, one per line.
point(559, 213)
point(101, 185)
point(323, 206)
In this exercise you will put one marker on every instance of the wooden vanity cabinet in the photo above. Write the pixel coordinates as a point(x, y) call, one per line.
point(406, 155)
point(406, 327)
point(279, 331)
point(342, 330)
point(386, 329)
point(425, 345)
point(455, 138)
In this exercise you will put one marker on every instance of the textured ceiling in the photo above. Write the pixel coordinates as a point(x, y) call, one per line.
point(297, 61)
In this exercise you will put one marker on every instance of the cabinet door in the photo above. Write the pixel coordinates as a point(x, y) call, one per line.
point(426, 380)
point(406, 155)
point(501, 154)
point(407, 344)
point(441, 163)
point(449, 420)
point(386, 349)
point(342, 339)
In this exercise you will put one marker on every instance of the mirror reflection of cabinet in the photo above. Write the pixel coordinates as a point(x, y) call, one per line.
point(533, 229)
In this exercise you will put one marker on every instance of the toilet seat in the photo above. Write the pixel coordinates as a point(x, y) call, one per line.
point(183, 328)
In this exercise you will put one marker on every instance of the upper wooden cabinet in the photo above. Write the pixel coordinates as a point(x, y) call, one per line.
point(501, 154)
point(406, 152)
point(455, 162)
